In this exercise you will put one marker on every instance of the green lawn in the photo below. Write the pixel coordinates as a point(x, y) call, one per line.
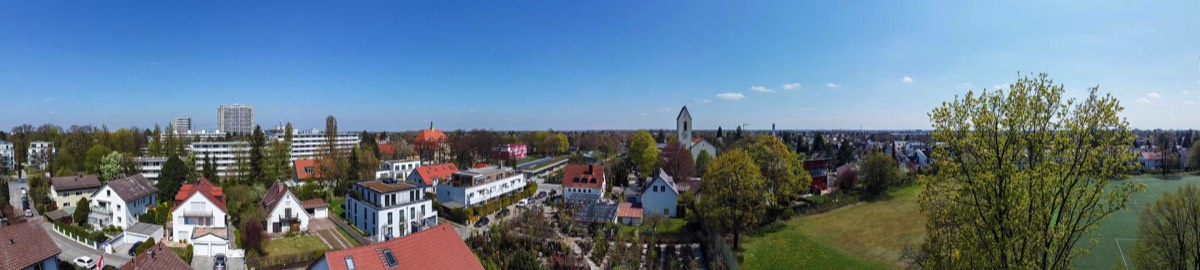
point(866, 235)
point(293, 245)
point(528, 159)
point(1122, 227)
point(666, 227)
point(335, 205)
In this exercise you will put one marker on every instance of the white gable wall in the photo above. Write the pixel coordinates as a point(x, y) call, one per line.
point(287, 202)
point(184, 225)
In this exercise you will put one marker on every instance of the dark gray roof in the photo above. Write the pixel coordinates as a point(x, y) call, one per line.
point(133, 187)
point(74, 182)
point(144, 228)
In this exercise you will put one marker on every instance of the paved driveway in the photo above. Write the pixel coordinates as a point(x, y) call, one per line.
point(72, 249)
point(206, 262)
point(14, 195)
point(328, 232)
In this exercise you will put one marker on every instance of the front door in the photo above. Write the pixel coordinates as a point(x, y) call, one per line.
point(278, 227)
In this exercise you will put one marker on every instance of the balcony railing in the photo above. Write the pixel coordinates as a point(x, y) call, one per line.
point(187, 212)
point(101, 210)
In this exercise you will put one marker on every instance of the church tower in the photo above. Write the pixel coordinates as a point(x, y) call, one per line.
point(683, 127)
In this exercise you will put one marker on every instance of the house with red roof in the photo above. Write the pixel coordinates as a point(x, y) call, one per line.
point(583, 183)
point(28, 246)
point(307, 169)
point(429, 142)
point(427, 177)
point(439, 247)
point(199, 218)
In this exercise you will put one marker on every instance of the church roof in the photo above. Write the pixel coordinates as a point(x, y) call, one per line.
point(683, 112)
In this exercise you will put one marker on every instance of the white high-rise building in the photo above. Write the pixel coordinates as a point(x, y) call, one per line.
point(181, 125)
point(308, 144)
point(224, 154)
point(8, 155)
point(235, 118)
point(39, 154)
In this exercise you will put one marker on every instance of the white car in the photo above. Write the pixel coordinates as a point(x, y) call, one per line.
point(28, 213)
point(523, 202)
point(85, 262)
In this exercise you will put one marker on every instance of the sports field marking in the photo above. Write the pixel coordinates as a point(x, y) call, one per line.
point(1115, 240)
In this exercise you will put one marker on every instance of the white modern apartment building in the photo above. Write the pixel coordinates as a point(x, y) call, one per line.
point(224, 154)
point(397, 169)
point(120, 202)
point(386, 209)
point(308, 144)
point(235, 118)
point(39, 154)
point(151, 167)
point(8, 155)
point(477, 186)
point(181, 125)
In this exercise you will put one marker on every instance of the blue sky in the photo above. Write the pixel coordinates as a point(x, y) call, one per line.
point(581, 65)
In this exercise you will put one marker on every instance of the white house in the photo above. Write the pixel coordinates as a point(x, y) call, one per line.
point(120, 202)
point(199, 218)
point(428, 177)
point(386, 209)
point(683, 132)
point(583, 183)
point(477, 186)
point(8, 155)
point(39, 154)
point(659, 196)
point(283, 210)
point(397, 169)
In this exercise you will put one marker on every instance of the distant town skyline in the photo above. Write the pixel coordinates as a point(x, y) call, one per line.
point(569, 66)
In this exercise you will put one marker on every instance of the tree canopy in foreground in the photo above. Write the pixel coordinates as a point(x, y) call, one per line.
point(1022, 176)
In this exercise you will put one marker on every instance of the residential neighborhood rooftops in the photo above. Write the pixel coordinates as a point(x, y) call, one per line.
point(387, 149)
point(74, 182)
point(430, 135)
point(583, 176)
point(437, 171)
point(25, 244)
point(314, 203)
point(210, 191)
point(133, 187)
point(439, 247)
point(478, 176)
point(157, 257)
point(382, 187)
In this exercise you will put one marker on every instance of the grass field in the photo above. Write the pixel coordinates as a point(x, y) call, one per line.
point(293, 245)
point(667, 227)
point(1122, 227)
point(867, 235)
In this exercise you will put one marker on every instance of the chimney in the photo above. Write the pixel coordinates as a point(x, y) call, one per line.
point(589, 169)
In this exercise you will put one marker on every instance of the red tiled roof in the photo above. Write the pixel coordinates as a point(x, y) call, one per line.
point(430, 135)
point(577, 176)
point(439, 171)
point(163, 259)
point(25, 244)
point(211, 192)
point(314, 203)
point(301, 164)
point(1152, 155)
point(387, 149)
point(697, 139)
point(480, 165)
point(439, 247)
point(627, 210)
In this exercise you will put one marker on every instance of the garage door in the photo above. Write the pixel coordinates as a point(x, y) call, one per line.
point(218, 249)
point(202, 249)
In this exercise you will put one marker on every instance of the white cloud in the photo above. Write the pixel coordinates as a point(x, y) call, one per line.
point(832, 85)
point(1154, 95)
point(731, 96)
point(759, 88)
point(907, 80)
point(1189, 102)
point(791, 86)
point(1143, 100)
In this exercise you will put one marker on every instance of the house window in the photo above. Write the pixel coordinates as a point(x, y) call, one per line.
point(665, 211)
point(77, 193)
point(66, 205)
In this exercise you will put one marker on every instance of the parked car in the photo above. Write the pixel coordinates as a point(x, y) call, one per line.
point(28, 213)
point(482, 222)
point(22, 180)
point(85, 262)
point(133, 249)
point(540, 194)
point(503, 212)
point(523, 202)
point(24, 193)
point(219, 262)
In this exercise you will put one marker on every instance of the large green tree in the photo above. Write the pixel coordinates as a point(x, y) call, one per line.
point(644, 152)
point(879, 170)
point(95, 157)
point(733, 199)
point(1023, 176)
point(702, 162)
point(258, 141)
point(112, 166)
point(82, 210)
point(174, 174)
point(1170, 232)
point(780, 167)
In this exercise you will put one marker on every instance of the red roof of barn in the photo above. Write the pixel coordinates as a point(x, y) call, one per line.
point(210, 192)
point(578, 176)
point(387, 149)
point(439, 171)
point(439, 247)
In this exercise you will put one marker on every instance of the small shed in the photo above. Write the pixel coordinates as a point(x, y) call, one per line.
point(629, 214)
point(60, 215)
point(317, 208)
point(140, 232)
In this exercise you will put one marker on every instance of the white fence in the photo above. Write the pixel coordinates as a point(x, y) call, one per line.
point(81, 239)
